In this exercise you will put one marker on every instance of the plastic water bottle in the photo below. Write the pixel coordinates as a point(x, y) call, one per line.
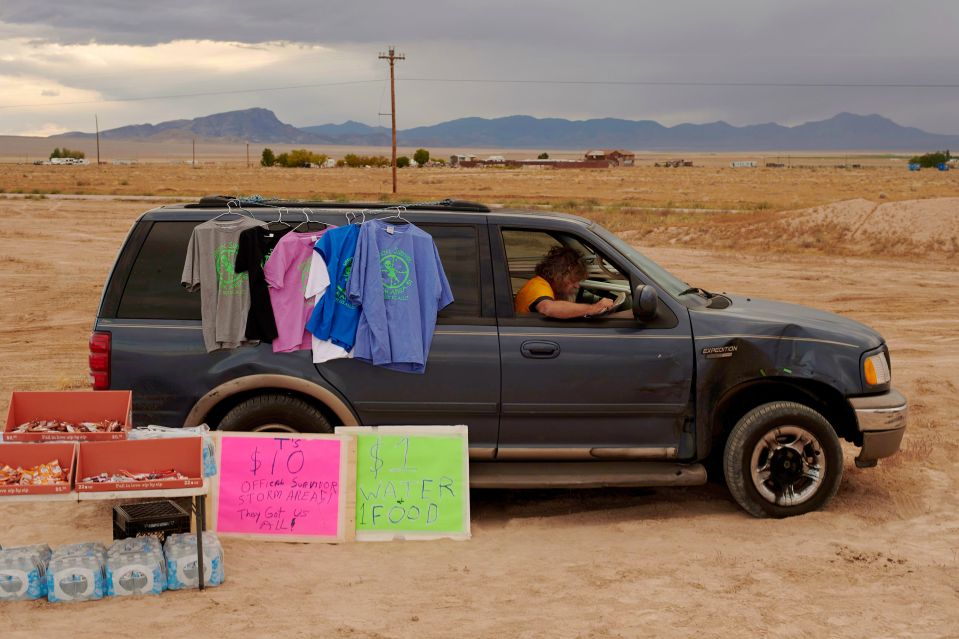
point(181, 561)
point(23, 573)
point(76, 573)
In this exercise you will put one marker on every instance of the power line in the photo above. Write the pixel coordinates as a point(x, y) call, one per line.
point(849, 85)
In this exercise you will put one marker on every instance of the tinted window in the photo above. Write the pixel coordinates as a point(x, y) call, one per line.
point(153, 290)
point(459, 252)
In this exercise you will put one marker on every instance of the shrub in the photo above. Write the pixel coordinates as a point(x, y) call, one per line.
point(402, 162)
point(268, 159)
point(931, 160)
point(421, 157)
point(543, 156)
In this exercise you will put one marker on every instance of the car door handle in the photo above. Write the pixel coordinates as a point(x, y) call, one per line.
point(540, 350)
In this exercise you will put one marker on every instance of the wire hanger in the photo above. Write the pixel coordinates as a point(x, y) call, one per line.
point(400, 209)
point(308, 221)
point(242, 212)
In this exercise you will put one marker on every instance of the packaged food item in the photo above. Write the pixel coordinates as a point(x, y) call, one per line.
point(23, 572)
point(39, 475)
point(181, 561)
point(58, 426)
point(77, 573)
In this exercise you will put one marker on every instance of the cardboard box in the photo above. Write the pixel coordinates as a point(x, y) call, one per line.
point(30, 455)
point(183, 454)
point(69, 406)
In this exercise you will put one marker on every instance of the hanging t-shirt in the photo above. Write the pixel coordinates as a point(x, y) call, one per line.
point(254, 248)
point(399, 281)
point(335, 317)
point(287, 272)
point(316, 286)
point(224, 293)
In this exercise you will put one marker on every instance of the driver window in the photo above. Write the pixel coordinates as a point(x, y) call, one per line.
point(525, 249)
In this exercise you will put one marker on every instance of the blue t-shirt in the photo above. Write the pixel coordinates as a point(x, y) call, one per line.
point(399, 282)
point(335, 317)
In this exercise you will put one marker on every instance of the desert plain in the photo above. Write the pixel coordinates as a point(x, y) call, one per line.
point(877, 244)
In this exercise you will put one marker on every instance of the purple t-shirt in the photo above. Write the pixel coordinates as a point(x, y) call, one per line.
point(287, 272)
point(399, 281)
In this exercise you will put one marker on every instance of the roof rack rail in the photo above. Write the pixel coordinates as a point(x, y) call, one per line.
point(220, 201)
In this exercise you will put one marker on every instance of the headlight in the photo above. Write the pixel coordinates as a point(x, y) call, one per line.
point(875, 370)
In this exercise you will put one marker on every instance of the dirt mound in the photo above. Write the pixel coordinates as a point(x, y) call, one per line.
point(910, 228)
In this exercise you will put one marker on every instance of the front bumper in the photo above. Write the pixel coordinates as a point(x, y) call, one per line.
point(882, 422)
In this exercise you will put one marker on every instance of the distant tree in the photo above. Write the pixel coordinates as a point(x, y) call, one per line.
point(421, 157)
point(283, 159)
point(354, 160)
point(402, 162)
point(303, 158)
point(56, 153)
point(931, 160)
point(268, 159)
point(543, 156)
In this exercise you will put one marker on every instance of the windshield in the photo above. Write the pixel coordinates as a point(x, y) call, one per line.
point(673, 285)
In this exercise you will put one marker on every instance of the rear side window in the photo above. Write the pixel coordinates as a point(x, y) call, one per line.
point(153, 290)
point(459, 252)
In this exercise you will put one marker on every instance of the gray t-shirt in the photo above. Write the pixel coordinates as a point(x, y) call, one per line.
point(224, 293)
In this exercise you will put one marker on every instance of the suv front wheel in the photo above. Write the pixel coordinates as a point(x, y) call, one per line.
point(275, 413)
point(782, 459)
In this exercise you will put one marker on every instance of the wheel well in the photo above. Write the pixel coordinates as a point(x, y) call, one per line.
point(217, 413)
point(820, 397)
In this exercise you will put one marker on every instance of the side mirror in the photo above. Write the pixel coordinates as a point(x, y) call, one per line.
point(645, 303)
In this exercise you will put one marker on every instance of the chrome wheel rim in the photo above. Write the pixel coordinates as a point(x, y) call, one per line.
point(274, 428)
point(788, 466)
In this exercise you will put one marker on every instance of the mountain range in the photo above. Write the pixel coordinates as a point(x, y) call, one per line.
point(845, 131)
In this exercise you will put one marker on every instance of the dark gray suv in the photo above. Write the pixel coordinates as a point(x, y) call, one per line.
point(648, 395)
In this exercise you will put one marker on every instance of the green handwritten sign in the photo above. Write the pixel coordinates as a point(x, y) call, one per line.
point(412, 482)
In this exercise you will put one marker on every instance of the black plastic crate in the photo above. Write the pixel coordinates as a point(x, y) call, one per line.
point(158, 518)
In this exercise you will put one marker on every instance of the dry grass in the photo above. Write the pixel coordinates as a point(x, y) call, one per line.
point(623, 190)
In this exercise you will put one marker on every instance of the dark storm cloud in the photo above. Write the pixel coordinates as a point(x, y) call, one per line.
point(755, 41)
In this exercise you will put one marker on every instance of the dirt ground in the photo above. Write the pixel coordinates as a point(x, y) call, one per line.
point(881, 561)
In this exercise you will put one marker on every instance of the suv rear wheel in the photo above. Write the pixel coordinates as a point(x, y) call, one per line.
point(275, 413)
point(782, 459)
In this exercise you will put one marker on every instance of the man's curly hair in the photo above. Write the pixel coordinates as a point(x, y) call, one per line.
point(560, 262)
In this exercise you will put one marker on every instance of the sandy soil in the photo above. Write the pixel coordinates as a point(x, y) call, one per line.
point(882, 560)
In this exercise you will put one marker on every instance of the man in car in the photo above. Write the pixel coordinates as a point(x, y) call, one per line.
point(556, 282)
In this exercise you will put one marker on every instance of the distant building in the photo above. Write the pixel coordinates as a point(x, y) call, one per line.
point(743, 164)
point(455, 160)
point(615, 157)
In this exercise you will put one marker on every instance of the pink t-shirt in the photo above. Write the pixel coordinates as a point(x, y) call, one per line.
point(287, 272)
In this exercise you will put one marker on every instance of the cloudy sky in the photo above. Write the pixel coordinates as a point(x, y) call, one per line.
point(315, 62)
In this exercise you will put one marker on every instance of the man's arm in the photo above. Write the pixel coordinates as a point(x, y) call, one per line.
point(560, 309)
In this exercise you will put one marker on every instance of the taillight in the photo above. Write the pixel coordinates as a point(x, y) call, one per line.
point(100, 360)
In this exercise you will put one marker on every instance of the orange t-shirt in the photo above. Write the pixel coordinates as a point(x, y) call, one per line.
point(533, 292)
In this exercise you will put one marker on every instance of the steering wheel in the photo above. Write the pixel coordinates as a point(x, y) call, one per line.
point(616, 303)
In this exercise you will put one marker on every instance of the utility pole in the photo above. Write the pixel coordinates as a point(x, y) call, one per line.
point(96, 120)
point(194, 153)
point(392, 56)
point(247, 155)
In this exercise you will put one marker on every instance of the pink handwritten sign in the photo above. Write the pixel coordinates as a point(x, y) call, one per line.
point(280, 486)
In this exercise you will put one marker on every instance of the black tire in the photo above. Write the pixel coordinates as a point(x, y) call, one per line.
point(786, 482)
point(277, 413)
